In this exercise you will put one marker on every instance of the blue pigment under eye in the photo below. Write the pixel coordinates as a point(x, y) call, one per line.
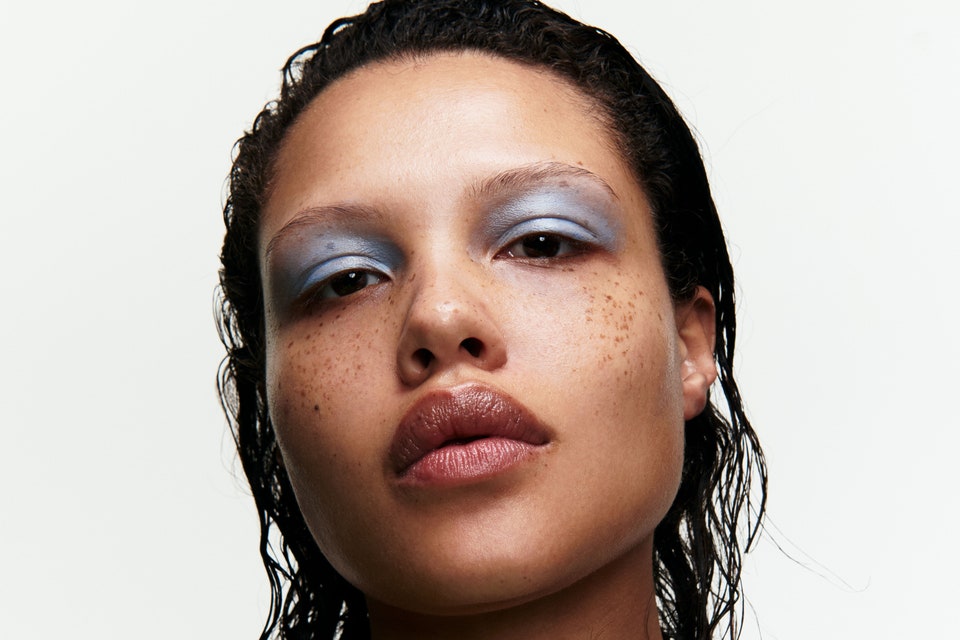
point(308, 261)
point(563, 211)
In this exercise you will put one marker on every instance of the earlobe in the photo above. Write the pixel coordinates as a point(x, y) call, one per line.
point(696, 328)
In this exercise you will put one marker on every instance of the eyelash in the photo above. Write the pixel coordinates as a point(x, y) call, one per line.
point(561, 247)
point(570, 239)
point(324, 289)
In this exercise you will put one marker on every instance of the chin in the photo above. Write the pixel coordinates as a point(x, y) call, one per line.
point(478, 576)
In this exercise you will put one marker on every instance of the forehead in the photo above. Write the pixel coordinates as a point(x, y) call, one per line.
point(409, 128)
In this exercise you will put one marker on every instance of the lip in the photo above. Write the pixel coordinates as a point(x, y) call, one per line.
point(464, 434)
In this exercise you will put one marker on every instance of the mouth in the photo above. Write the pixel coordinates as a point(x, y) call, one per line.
point(465, 434)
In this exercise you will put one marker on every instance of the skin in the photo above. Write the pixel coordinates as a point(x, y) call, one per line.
point(423, 173)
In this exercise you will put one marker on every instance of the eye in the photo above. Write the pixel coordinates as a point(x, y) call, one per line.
point(544, 246)
point(339, 278)
point(346, 283)
point(546, 238)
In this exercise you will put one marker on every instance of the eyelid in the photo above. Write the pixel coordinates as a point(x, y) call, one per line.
point(328, 268)
point(559, 226)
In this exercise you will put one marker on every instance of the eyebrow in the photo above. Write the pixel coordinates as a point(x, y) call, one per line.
point(326, 214)
point(533, 174)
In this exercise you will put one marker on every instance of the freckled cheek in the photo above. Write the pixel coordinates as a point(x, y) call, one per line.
point(634, 332)
point(317, 384)
point(609, 320)
point(623, 341)
point(635, 382)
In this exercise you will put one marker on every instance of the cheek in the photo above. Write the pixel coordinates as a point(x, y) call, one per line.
point(610, 330)
point(633, 336)
point(317, 379)
point(634, 361)
point(618, 342)
point(313, 367)
point(329, 434)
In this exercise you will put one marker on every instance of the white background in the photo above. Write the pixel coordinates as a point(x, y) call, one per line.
point(829, 129)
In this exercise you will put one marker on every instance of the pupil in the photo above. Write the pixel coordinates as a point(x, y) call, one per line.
point(349, 282)
point(541, 246)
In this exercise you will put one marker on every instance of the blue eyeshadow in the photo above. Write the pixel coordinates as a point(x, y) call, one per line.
point(303, 264)
point(564, 211)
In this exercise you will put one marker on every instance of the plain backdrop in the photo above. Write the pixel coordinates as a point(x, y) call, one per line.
point(830, 131)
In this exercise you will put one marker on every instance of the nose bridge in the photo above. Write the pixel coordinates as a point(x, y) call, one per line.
point(449, 321)
point(445, 289)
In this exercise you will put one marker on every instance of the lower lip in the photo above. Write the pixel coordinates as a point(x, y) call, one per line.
point(469, 462)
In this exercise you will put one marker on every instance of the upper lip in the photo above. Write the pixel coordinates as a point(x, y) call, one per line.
point(461, 413)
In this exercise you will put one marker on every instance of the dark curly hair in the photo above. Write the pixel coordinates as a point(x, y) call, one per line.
point(720, 503)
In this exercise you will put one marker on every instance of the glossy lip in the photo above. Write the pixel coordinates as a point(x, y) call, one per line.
point(487, 431)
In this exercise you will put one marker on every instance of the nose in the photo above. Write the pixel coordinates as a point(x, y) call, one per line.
point(448, 324)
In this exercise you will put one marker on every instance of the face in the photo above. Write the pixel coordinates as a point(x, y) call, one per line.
point(476, 373)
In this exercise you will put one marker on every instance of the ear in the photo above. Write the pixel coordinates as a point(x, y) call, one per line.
point(696, 328)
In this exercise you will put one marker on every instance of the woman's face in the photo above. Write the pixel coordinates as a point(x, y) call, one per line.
point(475, 369)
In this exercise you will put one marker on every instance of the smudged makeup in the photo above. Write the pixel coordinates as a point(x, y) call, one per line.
point(332, 252)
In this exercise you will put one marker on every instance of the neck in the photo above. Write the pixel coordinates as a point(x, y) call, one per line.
point(615, 602)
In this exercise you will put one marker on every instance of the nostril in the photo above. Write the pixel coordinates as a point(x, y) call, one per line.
point(423, 357)
point(472, 346)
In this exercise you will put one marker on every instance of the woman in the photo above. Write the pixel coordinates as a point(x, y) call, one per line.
point(475, 296)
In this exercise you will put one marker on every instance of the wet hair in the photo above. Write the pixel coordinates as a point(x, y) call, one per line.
point(720, 503)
